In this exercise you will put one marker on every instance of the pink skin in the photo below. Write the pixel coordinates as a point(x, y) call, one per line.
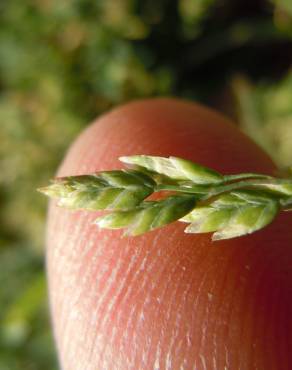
point(168, 300)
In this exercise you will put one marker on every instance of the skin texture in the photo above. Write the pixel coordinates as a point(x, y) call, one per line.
point(168, 300)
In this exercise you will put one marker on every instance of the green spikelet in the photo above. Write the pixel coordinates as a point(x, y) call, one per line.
point(149, 215)
point(107, 190)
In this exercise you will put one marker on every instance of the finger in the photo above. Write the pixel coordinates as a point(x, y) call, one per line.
point(168, 300)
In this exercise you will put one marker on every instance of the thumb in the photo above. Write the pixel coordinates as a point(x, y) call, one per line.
point(168, 300)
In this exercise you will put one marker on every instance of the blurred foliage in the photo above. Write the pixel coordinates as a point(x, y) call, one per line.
point(62, 63)
point(265, 113)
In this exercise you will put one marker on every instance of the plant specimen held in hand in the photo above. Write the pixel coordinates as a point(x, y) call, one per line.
point(227, 205)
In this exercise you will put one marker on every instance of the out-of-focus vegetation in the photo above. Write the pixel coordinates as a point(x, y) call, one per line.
point(62, 63)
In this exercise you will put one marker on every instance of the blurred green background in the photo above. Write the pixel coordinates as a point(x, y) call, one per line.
point(62, 63)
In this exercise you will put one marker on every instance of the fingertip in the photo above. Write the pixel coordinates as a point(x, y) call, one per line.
point(167, 299)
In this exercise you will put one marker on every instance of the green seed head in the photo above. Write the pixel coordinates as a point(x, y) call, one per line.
point(228, 206)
